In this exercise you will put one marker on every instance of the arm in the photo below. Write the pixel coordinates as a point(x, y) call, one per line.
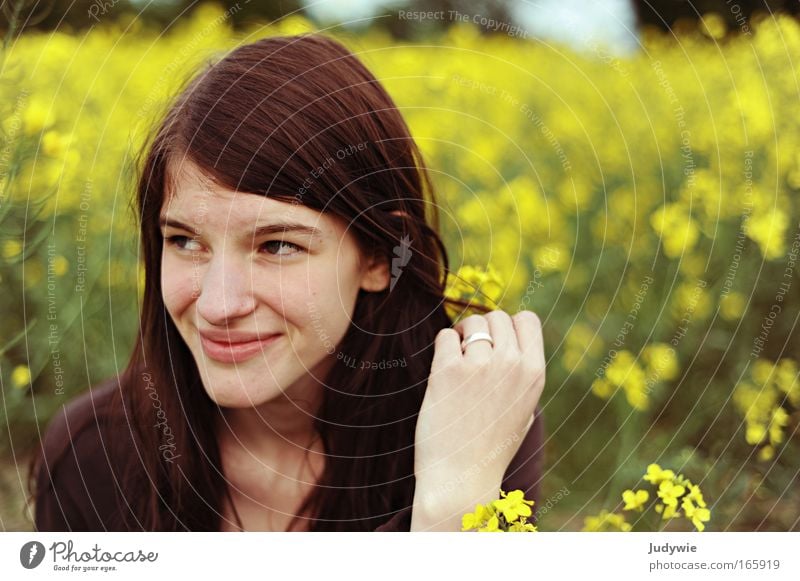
point(478, 401)
point(524, 473)
point(526, 470)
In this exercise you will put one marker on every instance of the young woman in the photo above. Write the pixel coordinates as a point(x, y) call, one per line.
point(295, 368)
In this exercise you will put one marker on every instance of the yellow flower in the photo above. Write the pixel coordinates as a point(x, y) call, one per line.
point(695, 495)
point(762, 370)
point(60, 265)
point(670, 492)
point(731, 306)
point(713, 25)
point(755, 433)
point(606, 522)
point(698, 516)
point(602, 388)
point(484, 287)
point(623, 372)
point(768, 230)
point(522, 527)
point(666, 512)
point(54, 143)
point(621, 367)
point(12, 248)
point(766, 453)
point(636, 397)
point(295, 24)
point(21, 376)
point(662, 363)
point(492, 525)
point(473, 520)
point(688, 298)
point(513, 505)
point(655, 475)
point(788, 380)
point(780, 419)
point(760, 402)
point(635, 500)
point(38, 115)
point(677, 229)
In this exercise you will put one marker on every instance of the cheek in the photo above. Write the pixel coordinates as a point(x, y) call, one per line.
point(321, 302)
point(178, 288)
point(336, 299)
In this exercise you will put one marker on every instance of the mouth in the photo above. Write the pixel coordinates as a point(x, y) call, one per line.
point(225, 352)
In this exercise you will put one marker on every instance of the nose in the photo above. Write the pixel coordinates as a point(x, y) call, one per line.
point(225, 291)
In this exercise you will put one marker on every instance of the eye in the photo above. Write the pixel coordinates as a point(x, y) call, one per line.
point(180, 241)
point(274, 247)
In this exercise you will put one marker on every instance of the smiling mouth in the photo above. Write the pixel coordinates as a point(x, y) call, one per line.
point(235, 352)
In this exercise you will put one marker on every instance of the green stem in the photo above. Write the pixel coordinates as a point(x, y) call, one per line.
point(628, 437)
point(12, 25)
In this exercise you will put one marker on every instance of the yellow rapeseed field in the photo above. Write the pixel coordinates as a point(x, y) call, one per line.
point(645, 206)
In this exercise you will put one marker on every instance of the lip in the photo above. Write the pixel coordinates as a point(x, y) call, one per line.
point(226, 352)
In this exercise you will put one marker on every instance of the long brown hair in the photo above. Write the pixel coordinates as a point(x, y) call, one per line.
point(260, 120)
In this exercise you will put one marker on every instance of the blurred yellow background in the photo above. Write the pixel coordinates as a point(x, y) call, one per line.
point(645, 206)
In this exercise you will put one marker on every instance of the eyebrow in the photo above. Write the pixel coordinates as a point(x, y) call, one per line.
point(262, 230)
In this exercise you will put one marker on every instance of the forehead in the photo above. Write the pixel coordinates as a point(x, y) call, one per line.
point(193, 197)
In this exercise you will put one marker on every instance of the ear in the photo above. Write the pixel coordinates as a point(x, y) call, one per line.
point(375, 277)
point(377, 273)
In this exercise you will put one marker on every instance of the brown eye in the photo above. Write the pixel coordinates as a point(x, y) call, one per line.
point(180, 242)
point(274, 247)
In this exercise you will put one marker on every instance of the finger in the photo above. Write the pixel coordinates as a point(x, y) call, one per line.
point(459, 326)
point(447, 347)
point(502, 331)
point(474, 324)
point(528, 328)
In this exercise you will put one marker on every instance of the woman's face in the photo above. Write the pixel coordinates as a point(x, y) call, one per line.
point(262, 291)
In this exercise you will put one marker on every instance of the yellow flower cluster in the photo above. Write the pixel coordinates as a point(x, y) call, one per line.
point(489, 102)
point(660, 363)
point(678, 492)
point(476, 285)
point(732, 305)
point(507, 514)
point(768, 229)
point(672, 494)
point(762, 401)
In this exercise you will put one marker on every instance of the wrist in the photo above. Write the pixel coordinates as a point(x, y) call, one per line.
point(439, 505)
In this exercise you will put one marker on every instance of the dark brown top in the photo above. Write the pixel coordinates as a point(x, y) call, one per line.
point(76, 484)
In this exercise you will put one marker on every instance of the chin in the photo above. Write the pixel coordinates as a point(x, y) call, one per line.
point(237, 391)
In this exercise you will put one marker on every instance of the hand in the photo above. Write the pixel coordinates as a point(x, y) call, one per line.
point(478, 406)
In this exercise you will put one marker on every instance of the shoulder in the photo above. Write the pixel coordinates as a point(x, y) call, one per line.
point(78, 423)
point(75, 481)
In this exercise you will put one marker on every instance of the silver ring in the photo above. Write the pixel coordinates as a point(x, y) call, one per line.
point(479, 336)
